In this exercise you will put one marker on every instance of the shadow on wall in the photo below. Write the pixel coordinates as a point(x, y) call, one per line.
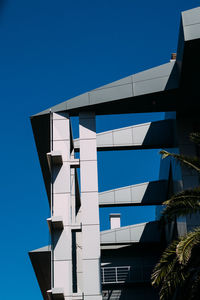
point(155, 193)
point(160, 134)
point(151, 233)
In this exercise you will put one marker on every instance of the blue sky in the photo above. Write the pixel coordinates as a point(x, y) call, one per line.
point(51, 51)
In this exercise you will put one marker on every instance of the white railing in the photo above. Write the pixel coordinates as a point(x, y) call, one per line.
point(125, 274)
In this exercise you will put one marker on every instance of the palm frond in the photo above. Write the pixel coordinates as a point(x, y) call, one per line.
point(192, 162)
point(184, 195)
point(195, 286)
point(181, 204)
point(165, 265)
point(195, 137)
point(186, 245)
point(173, 283)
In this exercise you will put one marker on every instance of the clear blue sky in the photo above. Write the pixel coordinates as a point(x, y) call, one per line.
point(51, 51)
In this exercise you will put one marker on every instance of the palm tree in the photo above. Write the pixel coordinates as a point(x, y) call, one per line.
point(177, 274)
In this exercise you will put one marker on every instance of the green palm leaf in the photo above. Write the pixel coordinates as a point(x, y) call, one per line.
point(192, 162)
point(195, 137)
point(195, 287)
point(181, 204)
point(177, 274)
point(168, 274)
point(165, 265)
point(186, 245)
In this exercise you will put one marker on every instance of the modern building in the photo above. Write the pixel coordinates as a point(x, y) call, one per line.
point(82, 262)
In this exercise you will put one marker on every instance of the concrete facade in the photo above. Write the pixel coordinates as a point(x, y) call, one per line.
point(82, 262)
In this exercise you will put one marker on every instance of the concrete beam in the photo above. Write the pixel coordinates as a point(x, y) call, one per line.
point(147, 193)
point(139, 233)
point(55, 223)
point(159, 134)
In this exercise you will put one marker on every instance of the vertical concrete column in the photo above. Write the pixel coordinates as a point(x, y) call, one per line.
point(73, 196)
point(90, 207)
point(61, 206)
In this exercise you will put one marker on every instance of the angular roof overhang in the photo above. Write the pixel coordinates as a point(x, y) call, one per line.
point(144, 92)
point(134, 93)
point(173, 86)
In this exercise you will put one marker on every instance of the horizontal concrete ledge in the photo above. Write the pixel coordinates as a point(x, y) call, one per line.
point(75, 163)
point(76, 226)
point(139, 233)
point(148, 193)
point(54, 158)
point(56, 294)
point(157, 134)
point(55, 223)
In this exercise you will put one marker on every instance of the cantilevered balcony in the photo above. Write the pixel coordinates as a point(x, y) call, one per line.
point(139, 233)
point(147, 193)
point(159, 134)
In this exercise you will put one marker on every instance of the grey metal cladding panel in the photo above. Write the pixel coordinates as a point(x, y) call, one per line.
point(144, 232)
point(123, 136)
point(110, 94)
point(105, 139)
point(138, 192)
point(139, 133)
point(160, 71)
point(147, 233)
point(107, 197)
point(191, 24)
point(152, 80)
point(79, 101)
point(147, 134)
point(150, 86)
point(108, 237)
point(147, 193)
point(192, 32)
point(122, 81)
point(59, 107)
point(43, 249)
point(191, 16)
point(123, 195)
point(151, 192)
point(136, 232)
point(123, 235)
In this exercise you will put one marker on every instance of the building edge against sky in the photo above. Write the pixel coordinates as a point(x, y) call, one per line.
point(81, 262)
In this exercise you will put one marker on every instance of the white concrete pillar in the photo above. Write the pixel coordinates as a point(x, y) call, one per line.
point(90, 207)
point(61, 206)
